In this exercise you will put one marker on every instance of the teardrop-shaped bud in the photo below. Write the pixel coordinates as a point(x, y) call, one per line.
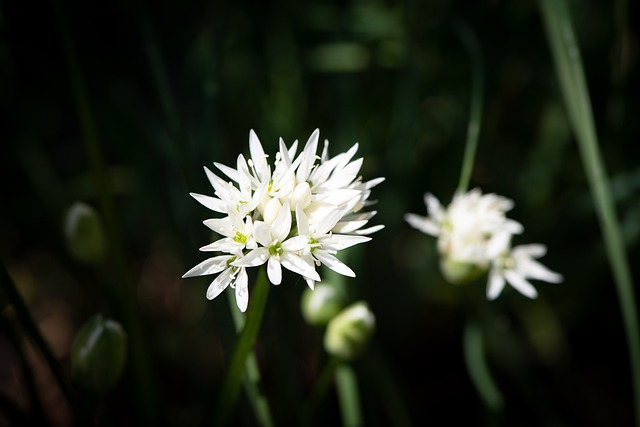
point(322, 303)
point(349, 332)
point(98, 354)
point(85, 234)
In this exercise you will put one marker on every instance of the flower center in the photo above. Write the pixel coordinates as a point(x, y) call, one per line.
point(240, 238)
point(276, 249)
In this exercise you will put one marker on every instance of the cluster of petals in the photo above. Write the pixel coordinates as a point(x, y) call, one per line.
point(474, 229)
point(296, 213)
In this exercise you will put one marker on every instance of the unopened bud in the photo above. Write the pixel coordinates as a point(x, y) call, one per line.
point(348, 333)
point(460, 272)
point(84, 233)
point(98, 354)
point(321, 304)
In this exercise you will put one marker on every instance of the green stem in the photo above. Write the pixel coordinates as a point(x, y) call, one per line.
point(144, 390)
point(474, 358)
point(320, 388)
point(568, 64)
point(476, 96)
point(25, 319)
point(252, 382)
point(348, 396)
point(230, 389)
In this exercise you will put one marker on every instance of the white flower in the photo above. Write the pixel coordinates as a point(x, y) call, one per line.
point(258, 226)
point(278, 250)
point(474, 235)
point(471, 228)
point(516, 266)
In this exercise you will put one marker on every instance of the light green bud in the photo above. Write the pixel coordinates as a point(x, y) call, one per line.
point(460, 272)
point(98, 354)
point(348, 333)
point(321, 304)
point(85, 234)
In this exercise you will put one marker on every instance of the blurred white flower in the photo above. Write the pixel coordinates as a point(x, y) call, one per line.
point(515, 267)
point(296, 213)
point(474, 235)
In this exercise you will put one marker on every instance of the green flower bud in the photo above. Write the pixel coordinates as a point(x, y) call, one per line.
point(460, 272)
point(348, 333)
point(98, 354)
point(322, 303)
point(84, 233)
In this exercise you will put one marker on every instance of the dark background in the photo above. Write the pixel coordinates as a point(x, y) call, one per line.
point(175, 86)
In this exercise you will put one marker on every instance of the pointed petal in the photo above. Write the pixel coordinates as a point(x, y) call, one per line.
point(258, 156)
point(209, 266)
point(220, 283)
point(495, 285)
point(298, 265)
point(520, 284)
point(334, 263)
point(424, 224)
point(212, 203)
point(254, 258)
point(338, 242)
point(282, 224)
point(296, 243)
point(242, 290)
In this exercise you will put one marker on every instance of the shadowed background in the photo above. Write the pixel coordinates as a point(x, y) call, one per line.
point(171, 87)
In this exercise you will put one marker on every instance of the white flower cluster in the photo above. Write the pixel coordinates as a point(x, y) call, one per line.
point(297, 214)
point(474, 231)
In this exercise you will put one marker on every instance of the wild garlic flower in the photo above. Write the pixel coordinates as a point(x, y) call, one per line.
point(474, 236)
point(296, 213)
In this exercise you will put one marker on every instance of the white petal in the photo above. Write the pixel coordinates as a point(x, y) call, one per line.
point(308, 157)
point(258, 156)
point(370, 230)
point(424, 224)
point(274, 272)
point(296, 243)
point(495, 285)
point(209, 266)
point(535, 270)
point(282, 224)
point(532, 250)
point(434, 208)
point(254, 258)
point(223, 245)
point(520, 284)
point(334, 263)
point(220, 283)
point(230, 172)
point(329, 221)
point(338, 242)
point(262, 233)
point(298, 265)
point(221, 226)
point(302, 221)
point(212, 203)
point(242, 290)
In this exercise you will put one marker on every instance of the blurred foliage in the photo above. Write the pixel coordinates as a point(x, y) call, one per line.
point(175, 86)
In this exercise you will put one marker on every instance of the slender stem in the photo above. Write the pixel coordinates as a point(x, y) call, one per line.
point(27, 322)
point(474, 358)
point(476, 96)
point(568, 64)
point(252, 382)
point(320, 388)
point(139, 362)
point(348, 396)
point(230, 389)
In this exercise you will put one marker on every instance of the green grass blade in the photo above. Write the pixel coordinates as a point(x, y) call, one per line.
point(474, 358)
point(568, 64)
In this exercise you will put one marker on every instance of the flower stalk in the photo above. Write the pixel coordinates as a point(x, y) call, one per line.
point(235, 372)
